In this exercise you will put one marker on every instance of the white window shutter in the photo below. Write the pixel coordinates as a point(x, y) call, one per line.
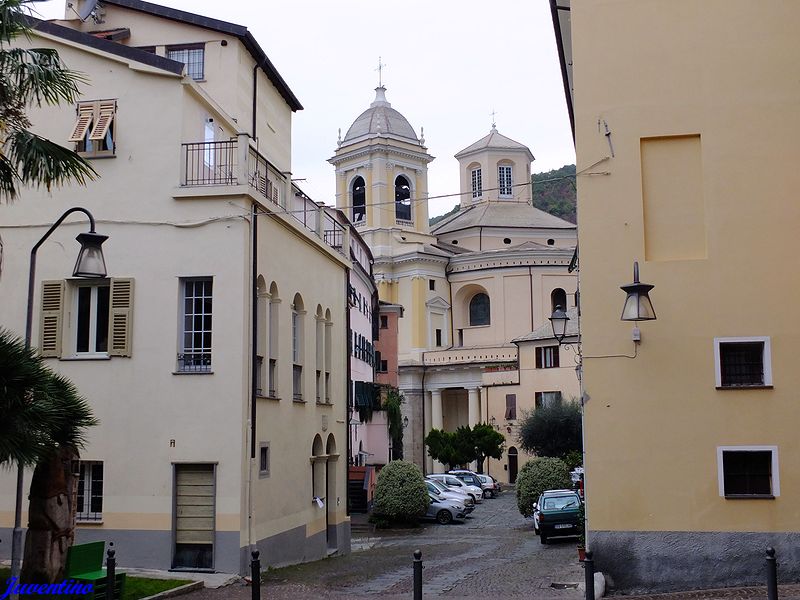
point(105, 114)
point(50, 319)
point(121, 317)
point(85, 117)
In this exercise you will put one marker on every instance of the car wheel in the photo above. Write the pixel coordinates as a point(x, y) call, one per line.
point(443, 517)
point(543, 538)
point(474, 499)
point(485, 494)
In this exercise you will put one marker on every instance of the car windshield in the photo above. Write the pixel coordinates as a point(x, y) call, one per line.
point(559, 502)
point(453, 481)
point(437, 486)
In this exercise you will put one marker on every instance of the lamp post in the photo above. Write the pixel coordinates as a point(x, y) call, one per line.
point(89, 264)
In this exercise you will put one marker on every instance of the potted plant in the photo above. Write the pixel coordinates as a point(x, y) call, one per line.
point(582, 533)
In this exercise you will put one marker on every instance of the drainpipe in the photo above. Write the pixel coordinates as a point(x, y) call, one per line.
point(348, 412)
point(253, 370)
point(255, 97)
point(530, 281)
point(480, 238)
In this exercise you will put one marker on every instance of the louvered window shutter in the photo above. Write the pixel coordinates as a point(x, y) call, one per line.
point(105, 116)
point(50, 319)
point(85, 117)
point(121, 317)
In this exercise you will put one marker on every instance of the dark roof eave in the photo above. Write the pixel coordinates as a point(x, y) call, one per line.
point(239, 31)
point(115, 48)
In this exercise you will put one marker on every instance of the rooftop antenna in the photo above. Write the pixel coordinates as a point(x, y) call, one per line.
point(380, 72)
point(87, 9)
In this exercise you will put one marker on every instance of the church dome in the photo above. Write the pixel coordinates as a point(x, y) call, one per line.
point(381, 119)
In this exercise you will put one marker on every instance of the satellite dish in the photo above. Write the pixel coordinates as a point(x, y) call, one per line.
point(87, 9)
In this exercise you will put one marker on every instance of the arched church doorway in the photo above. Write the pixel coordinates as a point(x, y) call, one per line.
point(512, 465)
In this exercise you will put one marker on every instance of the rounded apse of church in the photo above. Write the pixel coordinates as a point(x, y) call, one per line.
point(381, 119)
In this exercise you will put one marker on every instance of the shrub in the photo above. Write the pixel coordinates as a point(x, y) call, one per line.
point(536, 476)
point(400, 493)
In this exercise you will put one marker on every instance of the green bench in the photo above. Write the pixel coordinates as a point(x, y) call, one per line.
point(85, 565)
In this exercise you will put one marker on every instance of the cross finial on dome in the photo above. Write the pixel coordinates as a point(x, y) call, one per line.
point(494, 121)
point(380, 72)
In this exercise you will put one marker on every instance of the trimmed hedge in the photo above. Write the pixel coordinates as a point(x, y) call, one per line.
point(400, 492)
point(538, 475)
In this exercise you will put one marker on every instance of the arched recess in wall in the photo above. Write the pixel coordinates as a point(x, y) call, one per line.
point(319, 353)
point(358, 199)
point(328, 350)
point(317, 470)
point(402, 198)
point(462, 298)
point(261, 335)
point(558, 297)
point(272, 340)
point(330, 473)
point(298, 346)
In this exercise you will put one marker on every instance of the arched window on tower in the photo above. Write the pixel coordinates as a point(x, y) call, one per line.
point(402, 199)
point(479, 310)
point(359, 195)
point(558, 297)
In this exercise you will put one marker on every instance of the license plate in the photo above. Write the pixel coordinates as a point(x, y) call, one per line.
point(564, 526)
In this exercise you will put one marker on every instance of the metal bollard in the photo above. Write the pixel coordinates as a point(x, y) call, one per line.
point(588, 565)
point(255, 572)
point(772, 575)
point(111, 571)
point(417, 574)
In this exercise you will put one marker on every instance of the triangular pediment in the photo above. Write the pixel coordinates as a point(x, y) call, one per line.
point(438, 302)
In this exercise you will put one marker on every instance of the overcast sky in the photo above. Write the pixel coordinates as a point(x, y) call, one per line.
point(449, 63)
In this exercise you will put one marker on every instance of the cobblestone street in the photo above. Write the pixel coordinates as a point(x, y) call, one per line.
point(494, 554)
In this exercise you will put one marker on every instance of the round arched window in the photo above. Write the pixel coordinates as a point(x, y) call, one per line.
point(479, 309)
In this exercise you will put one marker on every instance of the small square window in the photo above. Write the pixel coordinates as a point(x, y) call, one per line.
point(263, 459)
point(193, 56)
point(94, 132)
point(748, 471)
point(546, 399)
point(384, 322)
point(547, 357)
point(384, 366)
point(432, 284)
point(511, 407)
point(742, 362)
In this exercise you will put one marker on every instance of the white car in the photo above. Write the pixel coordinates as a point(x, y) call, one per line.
point(452, 481)
point(473, 478)
point(436, 487)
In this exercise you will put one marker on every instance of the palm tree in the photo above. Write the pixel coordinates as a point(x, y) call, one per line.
point(32, 77)
point(44, 424)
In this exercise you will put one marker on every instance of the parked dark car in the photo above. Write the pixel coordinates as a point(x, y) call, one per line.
point(557, 513)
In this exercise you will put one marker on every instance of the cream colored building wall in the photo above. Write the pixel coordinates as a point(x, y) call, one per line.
point(654, 423)
point(284, 498)
point(221, 61)
point(488, 161)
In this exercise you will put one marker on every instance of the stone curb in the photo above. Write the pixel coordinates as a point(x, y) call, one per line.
point(178, 591)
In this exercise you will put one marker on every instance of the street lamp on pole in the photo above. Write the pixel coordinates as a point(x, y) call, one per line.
point(90, 264)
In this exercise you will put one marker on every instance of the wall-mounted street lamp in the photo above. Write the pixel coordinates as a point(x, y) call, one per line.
point(558, 321)
point(638, 306)
point(405, 422)
point(90, 264)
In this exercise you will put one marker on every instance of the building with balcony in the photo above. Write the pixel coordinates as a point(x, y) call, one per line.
point(468, 286)
point(210, 354)
point(687, 161)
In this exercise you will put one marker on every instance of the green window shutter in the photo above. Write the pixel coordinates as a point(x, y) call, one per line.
point(51, 318)
point(121, 317)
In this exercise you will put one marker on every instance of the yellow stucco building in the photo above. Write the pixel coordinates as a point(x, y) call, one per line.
point(469, 285)
point(685, 120)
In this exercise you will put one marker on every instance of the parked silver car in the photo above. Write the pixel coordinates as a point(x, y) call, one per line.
point(444, 510)
point(452, 481)
point(472, 478)
point(434, 487)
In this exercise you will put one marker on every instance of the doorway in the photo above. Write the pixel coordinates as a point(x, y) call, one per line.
point(512, 465)
point(194, 513)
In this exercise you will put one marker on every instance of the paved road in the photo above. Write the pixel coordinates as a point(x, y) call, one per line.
point(494, 554)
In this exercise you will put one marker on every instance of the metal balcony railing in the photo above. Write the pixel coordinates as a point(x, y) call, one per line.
point(194, 362)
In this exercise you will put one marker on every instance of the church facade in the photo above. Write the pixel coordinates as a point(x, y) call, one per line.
point(469, 286)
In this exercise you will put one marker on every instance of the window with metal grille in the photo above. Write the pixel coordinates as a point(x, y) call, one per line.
point(504, 180)
point(193, 56)
point(741, 363)
point(546, 357)
point(477, 183)
point(195, 354)
point(747, 473)
point(89, 505)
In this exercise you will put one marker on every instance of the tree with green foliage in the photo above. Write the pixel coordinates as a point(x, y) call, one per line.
point(442, 447)
point(44, 425)
point(488, 443)
point(394, 420)
point(401, 495)
point(555, 192)
point(536, 476)
point(32, 77)
point(552, 430)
